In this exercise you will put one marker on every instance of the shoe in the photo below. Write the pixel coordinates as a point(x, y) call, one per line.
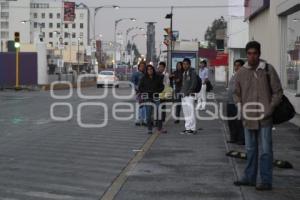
point(264, 187)
point(183, 132)
point(176, 122)
point(240, 143)
point(144, 124)
point(162, 131)
point(191, 132)
point(138, 124)
point(150, 132)
point(231, 141)
point(244, 183)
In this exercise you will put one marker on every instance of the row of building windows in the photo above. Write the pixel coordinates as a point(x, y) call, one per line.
point(51, 15)
point(4, 5)
point(67, 43)
point(39, 5)
point(66, 34)
point(58, 25)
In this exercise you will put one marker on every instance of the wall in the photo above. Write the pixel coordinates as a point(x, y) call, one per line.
point(28, 69)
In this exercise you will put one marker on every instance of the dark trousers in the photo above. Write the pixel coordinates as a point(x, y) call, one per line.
point(236, 127)
point(177, 100)
point(150, 117)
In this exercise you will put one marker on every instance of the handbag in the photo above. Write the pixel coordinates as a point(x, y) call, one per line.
point(209, 86)
point(285, 111)
point(166, 94)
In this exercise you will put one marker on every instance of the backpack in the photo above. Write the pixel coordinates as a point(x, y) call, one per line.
point(199, 85)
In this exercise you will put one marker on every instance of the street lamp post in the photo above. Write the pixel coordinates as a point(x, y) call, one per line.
point(38, 23)
point(79, 39)
point(115, 38)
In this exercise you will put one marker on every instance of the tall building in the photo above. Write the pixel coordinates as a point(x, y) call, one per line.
point(151, 50)
point(45, 17)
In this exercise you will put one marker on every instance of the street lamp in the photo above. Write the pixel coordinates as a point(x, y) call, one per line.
point(96, 11)
point(78, 39)
point(115, 37)
point(38, 23)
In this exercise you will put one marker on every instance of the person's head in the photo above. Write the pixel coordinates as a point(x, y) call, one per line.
point(179, 66)
point(186, 64)
point(238, 64)
point(161, 67)
point(142, 66)
point(203, 63)
point(253, 50)
point(150, 71)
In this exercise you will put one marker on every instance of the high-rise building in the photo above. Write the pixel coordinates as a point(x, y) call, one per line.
point(151, 50)
point(42, 17)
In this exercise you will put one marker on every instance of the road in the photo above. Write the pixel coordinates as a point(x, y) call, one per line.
point(44, 159)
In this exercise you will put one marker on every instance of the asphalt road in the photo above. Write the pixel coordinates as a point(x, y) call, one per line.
point(41, 158)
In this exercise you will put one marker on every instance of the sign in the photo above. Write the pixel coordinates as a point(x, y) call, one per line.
point(254, 7)
point(221, 60)
point(178, 56)
point(69, 11)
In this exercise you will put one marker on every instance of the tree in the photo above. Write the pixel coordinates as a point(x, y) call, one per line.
point(211, 31)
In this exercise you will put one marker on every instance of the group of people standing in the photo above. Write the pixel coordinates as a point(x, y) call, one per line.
point(184, 81)
point(255, 84)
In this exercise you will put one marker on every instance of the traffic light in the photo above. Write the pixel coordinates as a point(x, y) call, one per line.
point(17, 40)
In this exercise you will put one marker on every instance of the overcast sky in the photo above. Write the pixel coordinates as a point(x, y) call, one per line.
point(190, 22)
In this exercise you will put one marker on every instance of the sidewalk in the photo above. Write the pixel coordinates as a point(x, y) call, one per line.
point(182, 167)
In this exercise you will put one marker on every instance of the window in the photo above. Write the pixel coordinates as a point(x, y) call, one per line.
point(50, 35)
point(43, 15)
point(50, 15)
point(66, 35)
point(74, 26)
point(81, 15)
point(4, 5)
point(43, 25)
point(66, 43)
point(58, 15)
point(35, 15)
point(4, 34)
point(35, 25)
point(4, 25)
point(66, 26)
point(50, 25)
point(51, 44)
point(4, 15)
point(58, 25)
point(73, 35)
point(81, 25)
point(81, 34)
point(293, 53)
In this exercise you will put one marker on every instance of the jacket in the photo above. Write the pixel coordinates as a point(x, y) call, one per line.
point(189, 82)
point(150, 88)
point(252, 86)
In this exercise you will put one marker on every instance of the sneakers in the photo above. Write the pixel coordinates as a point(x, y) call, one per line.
point(162, 131)
point(188, 132)
point(244, 183)
point(264, 187)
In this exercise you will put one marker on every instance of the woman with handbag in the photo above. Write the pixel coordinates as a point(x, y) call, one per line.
point(150, 86)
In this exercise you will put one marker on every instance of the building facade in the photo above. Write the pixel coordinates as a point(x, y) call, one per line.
point(276, 25)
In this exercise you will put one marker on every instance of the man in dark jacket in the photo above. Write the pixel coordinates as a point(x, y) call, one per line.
point(189, 85)
point(150, 86)
point(135, 79)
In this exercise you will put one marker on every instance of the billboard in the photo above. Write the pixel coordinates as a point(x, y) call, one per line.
point(69, 11)
point(178, 56)
point(254, 7)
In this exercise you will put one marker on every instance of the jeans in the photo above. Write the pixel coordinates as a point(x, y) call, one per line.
point(142, 114)
point(149, 113)
point(264, 163)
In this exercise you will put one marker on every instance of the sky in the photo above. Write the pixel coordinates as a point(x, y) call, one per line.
point(190, 22)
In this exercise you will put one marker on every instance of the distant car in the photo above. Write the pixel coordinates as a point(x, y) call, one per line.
point(107, 78)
